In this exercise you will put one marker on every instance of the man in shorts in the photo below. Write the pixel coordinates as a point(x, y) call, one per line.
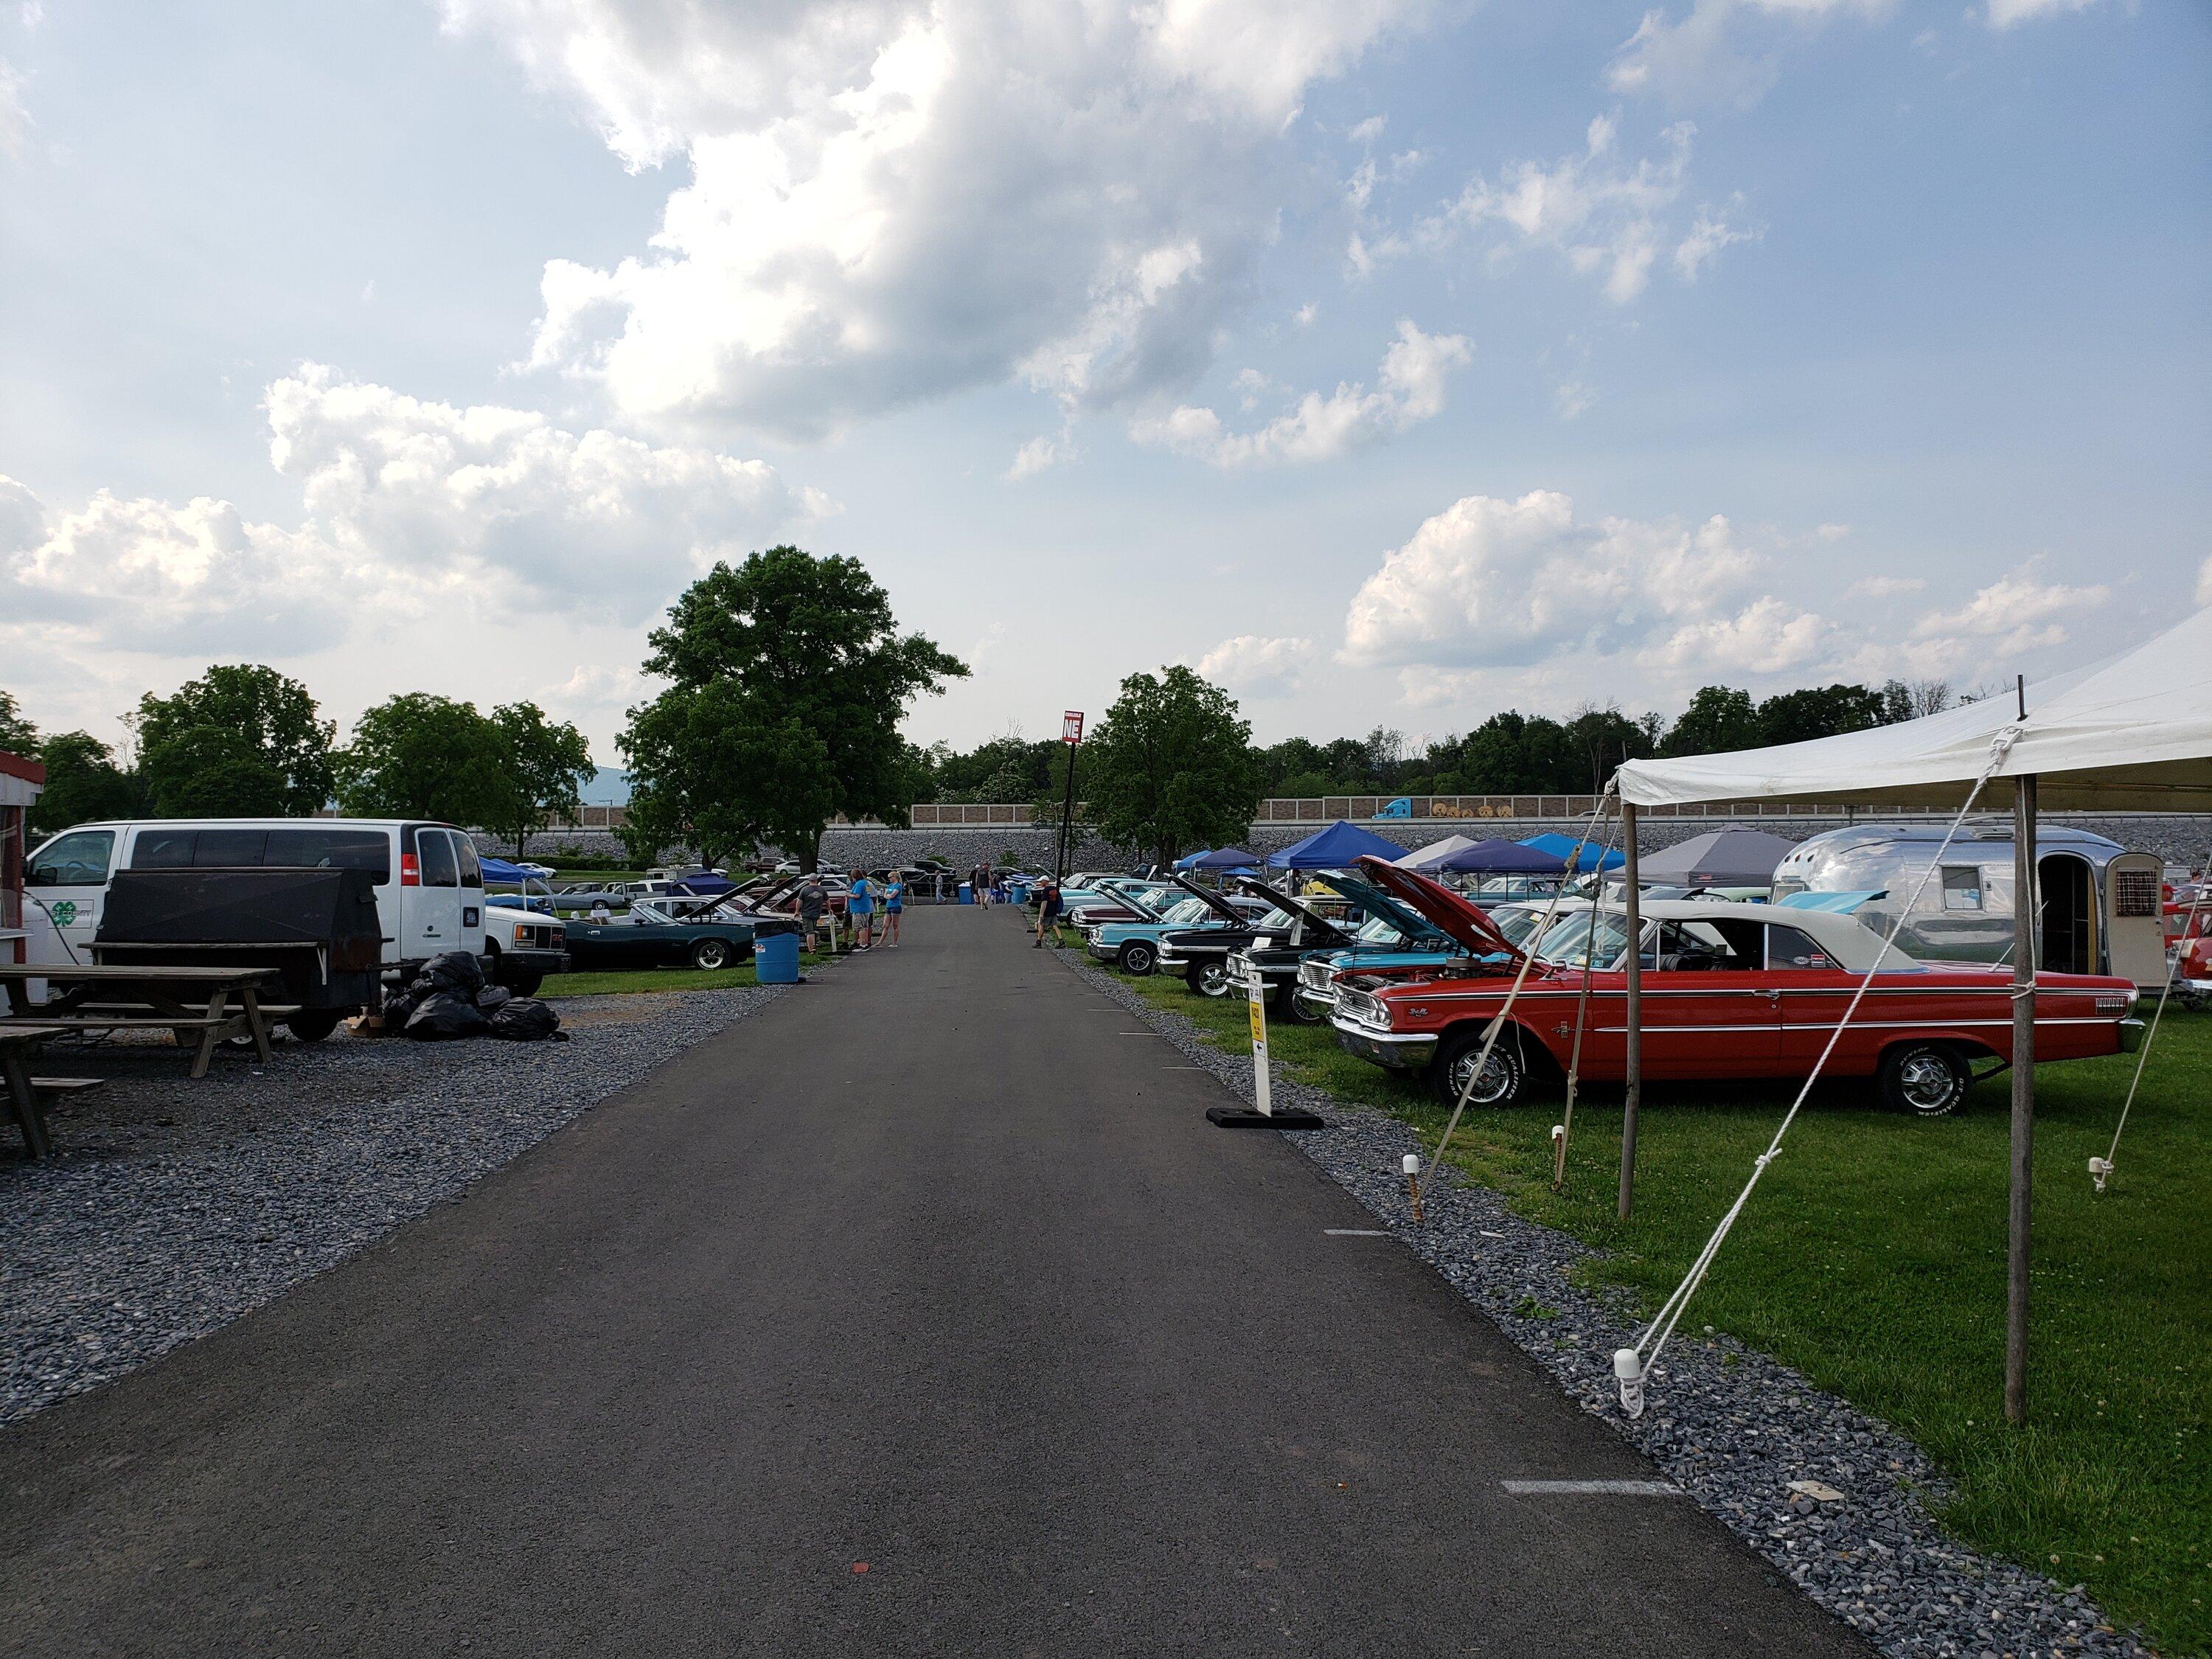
point(861, 908)
point(1048, 911)
point(813, 909)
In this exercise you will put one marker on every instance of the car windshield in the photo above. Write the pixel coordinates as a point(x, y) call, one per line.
point(1569, 941)
point(1275, 921)
point(1516, 922)
point(1189, 910)
point(1160, 901)
point(1377, 930)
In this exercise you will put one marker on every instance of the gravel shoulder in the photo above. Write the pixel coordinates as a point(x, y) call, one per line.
point(172, 1207)
point(1731, 1425)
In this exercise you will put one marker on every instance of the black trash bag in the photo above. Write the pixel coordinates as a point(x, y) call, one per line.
point(493, 998)
point(442, 1015)
point(524, 1019)
point(453, 971)
point(399, 1002)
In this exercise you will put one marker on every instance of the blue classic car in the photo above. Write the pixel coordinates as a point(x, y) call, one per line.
point(1393, 936)
point(653, 936)
point(1135, 946)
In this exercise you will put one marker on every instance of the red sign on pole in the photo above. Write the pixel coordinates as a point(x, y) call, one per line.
point(1071, 726)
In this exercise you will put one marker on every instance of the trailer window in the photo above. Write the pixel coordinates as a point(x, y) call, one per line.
point(79, 859)
point(333, 849)
point(2135, 892)
point(1962, 887)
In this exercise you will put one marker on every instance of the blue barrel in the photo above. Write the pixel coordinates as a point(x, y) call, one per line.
point(966, 898)
point(775, 959)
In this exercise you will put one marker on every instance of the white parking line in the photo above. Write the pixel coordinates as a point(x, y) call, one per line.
point(1601, 1488)
point(1353, 1232)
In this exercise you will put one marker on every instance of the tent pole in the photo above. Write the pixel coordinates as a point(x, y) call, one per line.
point(2025, 909)
point(1634, 1096)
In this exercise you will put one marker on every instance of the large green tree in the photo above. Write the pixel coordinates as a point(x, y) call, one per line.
point(418, 756)
point(83, 784)
point(788, 678)
point(17, 735)
point(1719, 719)
point(1171, 766)
point(240, 741)
point(544, 768)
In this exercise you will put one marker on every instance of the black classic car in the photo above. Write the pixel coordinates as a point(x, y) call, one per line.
point(652, 936)
point(1250, 913)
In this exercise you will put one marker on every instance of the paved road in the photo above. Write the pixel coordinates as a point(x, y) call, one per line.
point(934, 1266)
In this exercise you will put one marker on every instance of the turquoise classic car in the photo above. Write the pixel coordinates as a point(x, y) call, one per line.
point(1135, 946)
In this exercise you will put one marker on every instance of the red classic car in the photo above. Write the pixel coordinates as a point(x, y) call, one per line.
point(1730, 991)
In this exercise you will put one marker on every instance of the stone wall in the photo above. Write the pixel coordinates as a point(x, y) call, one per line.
point(2181, 838)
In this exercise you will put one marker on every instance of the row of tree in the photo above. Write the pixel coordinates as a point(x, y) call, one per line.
point(246, 741)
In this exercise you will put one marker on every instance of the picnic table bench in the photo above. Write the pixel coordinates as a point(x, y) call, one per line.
point(215, 1002)
point(25, 1092)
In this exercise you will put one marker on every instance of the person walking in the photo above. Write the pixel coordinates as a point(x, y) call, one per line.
point(860, 905)
point(814, 907)
point(979, 883)
point(1048, 911)
point(894, 907)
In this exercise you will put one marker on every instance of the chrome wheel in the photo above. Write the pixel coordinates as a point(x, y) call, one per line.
point(1137, 959)
point(1925, 1079)
point(1211, 979)
point(1501, 1080)
point(710, 954)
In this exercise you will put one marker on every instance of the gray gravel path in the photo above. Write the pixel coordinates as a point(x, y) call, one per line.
point(1729, 1423)
point(175, 1207)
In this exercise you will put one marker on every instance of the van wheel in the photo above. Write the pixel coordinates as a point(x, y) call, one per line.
point(1504, 1080)
point(1137, 958)
point(311, 1025)
point(1210, 978)
point(1928, 1079)
point(709, 954)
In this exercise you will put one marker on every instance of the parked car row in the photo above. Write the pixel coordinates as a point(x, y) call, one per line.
point(1412, 975)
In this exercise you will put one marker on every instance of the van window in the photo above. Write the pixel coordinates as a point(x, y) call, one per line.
point(333, 849)
point(230, 849)
point(77, 860)
point(163, 849)
point(472, 867)
point(1962, 887)
point(439, 869)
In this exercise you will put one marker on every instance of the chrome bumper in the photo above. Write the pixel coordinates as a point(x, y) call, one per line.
point(1401, 1051)
point(2131, 1030)
point(1103, 952)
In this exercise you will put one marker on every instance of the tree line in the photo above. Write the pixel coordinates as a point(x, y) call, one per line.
point(245, 741)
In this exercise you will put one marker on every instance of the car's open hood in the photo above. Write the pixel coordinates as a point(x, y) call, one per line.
point(1411, 923)
point(1220, 906)
point(1324, 931)
point(1470, 924)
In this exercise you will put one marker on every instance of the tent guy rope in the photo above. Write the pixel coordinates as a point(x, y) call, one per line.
point(2101, 1169)
point(1632, 1365)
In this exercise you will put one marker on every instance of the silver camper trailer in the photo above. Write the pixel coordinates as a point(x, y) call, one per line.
point(2101, 903)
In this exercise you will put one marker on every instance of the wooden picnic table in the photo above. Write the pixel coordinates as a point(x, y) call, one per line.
point(16, 1043)
point(215, 1002)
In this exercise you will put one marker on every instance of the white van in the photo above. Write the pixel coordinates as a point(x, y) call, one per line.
point(429, 885)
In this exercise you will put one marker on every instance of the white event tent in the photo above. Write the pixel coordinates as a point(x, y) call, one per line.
point(2132, 734)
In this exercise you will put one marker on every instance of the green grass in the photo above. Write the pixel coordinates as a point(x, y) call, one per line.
point(1873, 1259)
point(640, 979)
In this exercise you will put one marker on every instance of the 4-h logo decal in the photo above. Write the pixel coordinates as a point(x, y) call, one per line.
point(64, 913)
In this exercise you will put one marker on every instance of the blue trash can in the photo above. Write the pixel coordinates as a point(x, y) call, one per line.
point(775, 959)
point(966, 898)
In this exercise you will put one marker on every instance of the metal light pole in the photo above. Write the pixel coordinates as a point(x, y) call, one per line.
point(1070, 733)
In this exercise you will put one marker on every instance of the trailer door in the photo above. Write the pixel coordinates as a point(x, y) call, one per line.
point(2135, 937)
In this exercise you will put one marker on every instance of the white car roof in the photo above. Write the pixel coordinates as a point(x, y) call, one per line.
point(1850, 941)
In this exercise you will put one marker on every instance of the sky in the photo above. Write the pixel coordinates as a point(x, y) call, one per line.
point(1391, 361)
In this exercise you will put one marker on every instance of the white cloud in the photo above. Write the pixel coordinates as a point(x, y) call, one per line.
point(1572, 398)
point(1257, 665)
point(1768, 636)
point(2015, 613)
point(2005, 14)
point(1886, 587)
point(1034, 457)
point(1722, 52)
point(1490, 583)
point(889, 201)
point(411, 508)
point(1607, 218)
point(14, 118)
point(1409, 389)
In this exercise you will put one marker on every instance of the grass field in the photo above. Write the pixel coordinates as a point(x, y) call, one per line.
point(1873, 1259)
point(640, 979)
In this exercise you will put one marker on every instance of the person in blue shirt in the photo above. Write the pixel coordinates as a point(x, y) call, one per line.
point(860, 907)
point(894, 907)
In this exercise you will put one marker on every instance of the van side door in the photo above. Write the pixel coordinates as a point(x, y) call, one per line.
point(431, 902)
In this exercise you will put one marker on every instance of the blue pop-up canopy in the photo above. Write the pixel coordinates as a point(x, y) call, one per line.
point(1221, 858)
point(704, 884)
point(500, 870)
point(1337, 847)
point(1560, 847)
point(1496, 857)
